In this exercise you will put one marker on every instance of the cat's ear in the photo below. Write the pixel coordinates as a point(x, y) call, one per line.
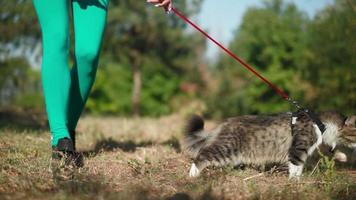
point(351, 121)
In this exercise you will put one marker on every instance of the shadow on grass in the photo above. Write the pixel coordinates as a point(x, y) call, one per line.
point(81, 184)
point(141, 193)
point(94, 187)
point(107, 145)
point(207, 195)
point(174, 143)
point(180, 196)
point(21, 120)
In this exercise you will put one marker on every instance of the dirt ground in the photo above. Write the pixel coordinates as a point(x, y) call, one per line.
point(141, 158)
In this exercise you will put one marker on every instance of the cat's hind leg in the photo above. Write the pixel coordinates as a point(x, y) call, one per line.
point(215, 155)
point(194, 170)
point(198, 165)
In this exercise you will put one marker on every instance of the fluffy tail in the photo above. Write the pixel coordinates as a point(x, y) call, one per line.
point(195, 138)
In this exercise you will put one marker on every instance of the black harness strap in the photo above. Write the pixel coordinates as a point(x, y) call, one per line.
point(314, 117)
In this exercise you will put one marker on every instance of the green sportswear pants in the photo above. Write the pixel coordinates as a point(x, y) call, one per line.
point(66, 88)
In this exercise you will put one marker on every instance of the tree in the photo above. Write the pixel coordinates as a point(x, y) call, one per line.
point(155, 46)
point(272, 40)
point(19, 29)
point(331, 65)
point(145, 51)
point(19, 83)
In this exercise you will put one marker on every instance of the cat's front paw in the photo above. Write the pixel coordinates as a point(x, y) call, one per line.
point(194, 171)
point(294, 177)
point(340, 156)
point(295, 171)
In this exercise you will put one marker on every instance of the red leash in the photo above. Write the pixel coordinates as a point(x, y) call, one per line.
point(279, 91)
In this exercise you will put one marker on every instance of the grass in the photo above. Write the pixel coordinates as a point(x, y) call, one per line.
point(141, 159)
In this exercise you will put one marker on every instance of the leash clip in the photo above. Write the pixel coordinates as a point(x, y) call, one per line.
point(295, 103)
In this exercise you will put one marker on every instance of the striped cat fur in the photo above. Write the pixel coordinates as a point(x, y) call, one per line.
point(264, 139)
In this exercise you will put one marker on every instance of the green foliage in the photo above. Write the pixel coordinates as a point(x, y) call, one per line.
point(142, 38)
point(272, 40)
point(326, 166)
point(331, 64)
point(226, 100)
point(311, 59)
point(112, 89)
point(157, 93)
point(138, 36)
point(18, 20)
point(19, 84)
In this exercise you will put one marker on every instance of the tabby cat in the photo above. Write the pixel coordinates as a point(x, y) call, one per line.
point(260, 140)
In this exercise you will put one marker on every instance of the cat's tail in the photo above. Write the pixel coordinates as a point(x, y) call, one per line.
point(195, 137)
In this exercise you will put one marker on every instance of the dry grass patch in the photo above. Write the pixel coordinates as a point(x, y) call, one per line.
point(141, 159)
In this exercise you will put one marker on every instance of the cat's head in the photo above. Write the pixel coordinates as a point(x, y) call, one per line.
point(347, 135)
point(340, 130)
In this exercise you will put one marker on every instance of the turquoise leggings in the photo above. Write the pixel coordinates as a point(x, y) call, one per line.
point(67, 89)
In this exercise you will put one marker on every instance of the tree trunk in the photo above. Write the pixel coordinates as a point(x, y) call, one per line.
point(136, 90)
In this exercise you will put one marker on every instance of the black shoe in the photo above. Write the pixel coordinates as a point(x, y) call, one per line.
point(64, 149)
point(65, 160)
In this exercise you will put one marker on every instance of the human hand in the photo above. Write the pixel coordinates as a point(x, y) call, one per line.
point(166, 4)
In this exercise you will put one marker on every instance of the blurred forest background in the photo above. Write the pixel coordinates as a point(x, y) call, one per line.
point(151, 65)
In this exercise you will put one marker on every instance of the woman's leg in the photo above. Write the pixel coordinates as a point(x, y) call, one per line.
point(89, 18)
point(53, 18)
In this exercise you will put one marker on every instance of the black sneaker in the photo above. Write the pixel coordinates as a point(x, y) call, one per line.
point(64, 149)
point(65, 160)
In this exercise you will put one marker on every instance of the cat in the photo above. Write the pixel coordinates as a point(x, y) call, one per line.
point(262, 139)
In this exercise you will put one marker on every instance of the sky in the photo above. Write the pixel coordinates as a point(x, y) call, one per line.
point(222, 17)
